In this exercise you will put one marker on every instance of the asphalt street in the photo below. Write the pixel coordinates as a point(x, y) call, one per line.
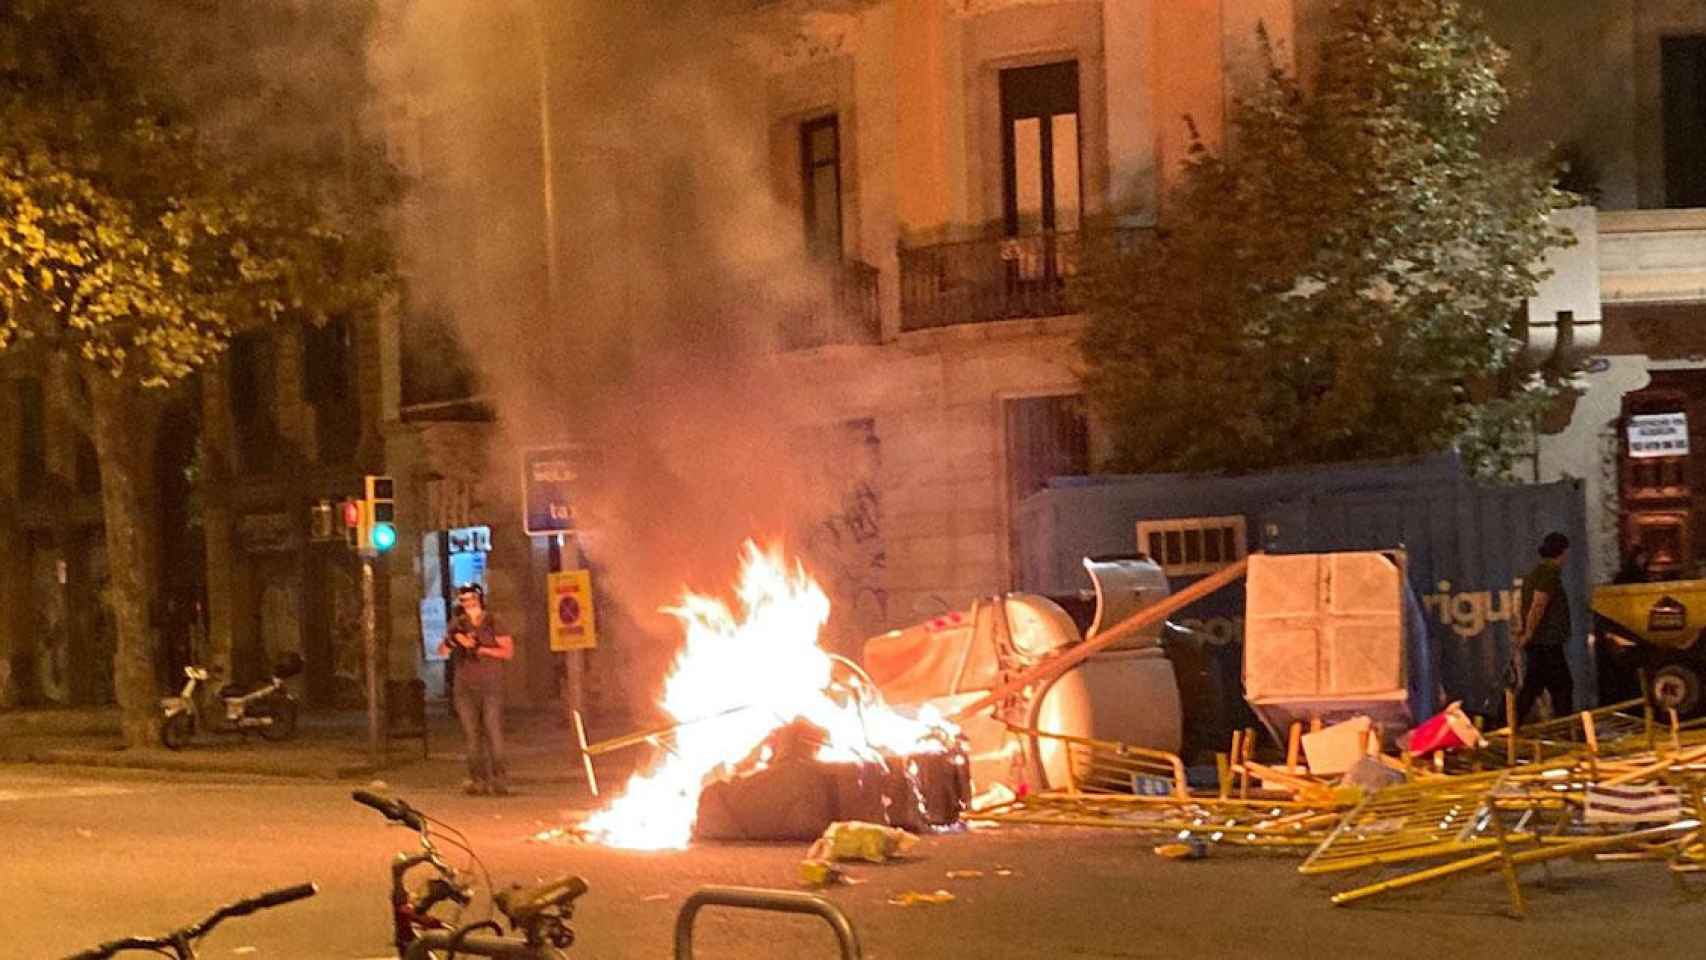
point(87, 855)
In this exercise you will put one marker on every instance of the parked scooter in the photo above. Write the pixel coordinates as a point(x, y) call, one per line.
point(269, 708)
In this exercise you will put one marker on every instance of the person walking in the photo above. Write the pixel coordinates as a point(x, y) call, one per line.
point(479, 649)
point(1544, 632)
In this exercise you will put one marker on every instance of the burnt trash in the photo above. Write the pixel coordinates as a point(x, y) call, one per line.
point(784, 792)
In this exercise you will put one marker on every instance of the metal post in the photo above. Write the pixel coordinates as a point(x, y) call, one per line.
point(370, 646)
point(574, 666)
point(547, 167)
point(777, 901)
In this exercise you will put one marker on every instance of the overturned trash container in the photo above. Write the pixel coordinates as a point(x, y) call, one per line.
point(1331, 636)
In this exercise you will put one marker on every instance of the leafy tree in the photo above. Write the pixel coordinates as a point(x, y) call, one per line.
point(1341, 283)
point(140, 229)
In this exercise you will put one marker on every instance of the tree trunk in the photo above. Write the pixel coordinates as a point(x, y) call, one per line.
point(123, 426)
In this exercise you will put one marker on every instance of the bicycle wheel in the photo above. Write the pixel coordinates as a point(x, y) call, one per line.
point(283, 713)
point(176, 731)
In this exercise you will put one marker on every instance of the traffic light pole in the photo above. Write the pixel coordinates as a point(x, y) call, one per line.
point(370, 646)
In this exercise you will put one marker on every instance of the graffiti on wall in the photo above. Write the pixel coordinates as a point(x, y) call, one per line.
point(845, 548)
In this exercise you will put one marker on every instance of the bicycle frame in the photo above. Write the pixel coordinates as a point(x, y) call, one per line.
point(417, 934)
point(543, 911)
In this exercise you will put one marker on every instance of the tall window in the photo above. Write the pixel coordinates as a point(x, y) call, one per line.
point(820, 172)
point(1683, 73)
point(254, 397)
point(1041, 188)
point(32, 438)
point(327, 375)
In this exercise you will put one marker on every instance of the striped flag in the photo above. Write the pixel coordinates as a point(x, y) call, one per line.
point(1633, 804)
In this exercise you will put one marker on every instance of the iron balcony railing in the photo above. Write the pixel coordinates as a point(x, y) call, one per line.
point(836, 303)
point(975, 281)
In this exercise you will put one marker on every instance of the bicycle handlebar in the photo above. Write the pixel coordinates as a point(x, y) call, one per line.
point(270, 899)
point(394, 809)
point(201, 928)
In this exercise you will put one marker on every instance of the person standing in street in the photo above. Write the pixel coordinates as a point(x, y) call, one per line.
point(1544, 632)
point(479, 650)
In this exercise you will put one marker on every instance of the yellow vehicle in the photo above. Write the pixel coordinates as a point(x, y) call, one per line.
point(1655, 627)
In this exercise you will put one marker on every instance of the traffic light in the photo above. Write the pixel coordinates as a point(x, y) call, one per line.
point(350, 514)
point(379, 509)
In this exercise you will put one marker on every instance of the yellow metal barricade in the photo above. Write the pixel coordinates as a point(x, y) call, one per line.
point(1110, 767)
point(1119, 786)
point(1439, 816)
point(1619, 727)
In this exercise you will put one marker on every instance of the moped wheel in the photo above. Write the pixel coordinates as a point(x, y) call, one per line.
point(283, 713)
point(176, 731)
point(1676, 686)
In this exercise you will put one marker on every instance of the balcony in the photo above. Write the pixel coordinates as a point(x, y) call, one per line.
point(836, 304)
point(975, 281)
point(1652, 256)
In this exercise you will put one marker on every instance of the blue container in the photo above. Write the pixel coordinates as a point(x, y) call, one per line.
point(1468, 546)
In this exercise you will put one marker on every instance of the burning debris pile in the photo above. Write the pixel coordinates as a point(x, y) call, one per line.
point(774, 737)
point(785, 792)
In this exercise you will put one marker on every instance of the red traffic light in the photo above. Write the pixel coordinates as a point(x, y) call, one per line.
point(352, 514)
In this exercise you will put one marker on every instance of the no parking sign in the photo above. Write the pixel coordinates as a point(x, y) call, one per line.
point(569, 594)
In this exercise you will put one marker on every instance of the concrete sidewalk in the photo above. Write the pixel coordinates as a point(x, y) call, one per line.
point(327, 746)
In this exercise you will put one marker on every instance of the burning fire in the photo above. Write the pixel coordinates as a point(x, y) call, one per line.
point(739, 679)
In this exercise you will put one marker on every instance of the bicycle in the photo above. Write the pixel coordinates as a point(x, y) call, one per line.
point(181, 942)
point(538, 916)
point(541, 913)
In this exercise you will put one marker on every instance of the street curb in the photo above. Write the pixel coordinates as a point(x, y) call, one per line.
point(190, 762)
point(120, 759)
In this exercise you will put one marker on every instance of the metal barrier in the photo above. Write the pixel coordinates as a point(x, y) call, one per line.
point(1276, 824)
point(1108, 766)
point(1626, 725)
point(1439, 816)
point(775, 901)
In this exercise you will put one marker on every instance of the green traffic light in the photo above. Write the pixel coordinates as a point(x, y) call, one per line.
point(383, 537)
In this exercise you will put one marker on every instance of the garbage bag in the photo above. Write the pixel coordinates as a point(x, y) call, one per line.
point(1450, 729)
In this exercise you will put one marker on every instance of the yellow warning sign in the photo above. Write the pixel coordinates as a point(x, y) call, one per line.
point(570, 596)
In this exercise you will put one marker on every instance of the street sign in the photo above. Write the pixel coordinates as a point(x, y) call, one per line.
point(573, 626)
point(546, 476)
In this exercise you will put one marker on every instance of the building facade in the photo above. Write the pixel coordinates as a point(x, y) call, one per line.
point(1618, 89)
point(928, 164)
point(935, 159)
point(921, 169)
point(287, 418)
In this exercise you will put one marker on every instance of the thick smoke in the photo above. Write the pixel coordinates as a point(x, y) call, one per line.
point(647, 340)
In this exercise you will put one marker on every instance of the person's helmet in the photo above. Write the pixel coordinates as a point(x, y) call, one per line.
point(473, 588)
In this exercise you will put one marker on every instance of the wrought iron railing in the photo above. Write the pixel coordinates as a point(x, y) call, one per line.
point(976, 281)
point(837, 303)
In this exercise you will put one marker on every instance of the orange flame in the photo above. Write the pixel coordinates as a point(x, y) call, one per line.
point(737, 680)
